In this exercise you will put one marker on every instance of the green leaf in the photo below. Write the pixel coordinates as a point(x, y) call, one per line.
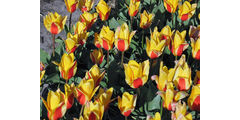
point(166, 51)
point(113, 24)
point(44, 57)
point(54, 78)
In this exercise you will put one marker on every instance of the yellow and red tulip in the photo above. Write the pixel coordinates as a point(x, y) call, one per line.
point(67, 66)
point(41, 76)
point(97, 56)
point(95, 74)
point(71, 43)
point(105, 38)
point(42, 66)
point(133, 7)
point(194, 98)
point(171, 5)
point(55, 104)
point(194, 34)
point(178, 44)
point(69, 95)
point(157, 116)
point(103, 10)
point(81, 30)
point(86, 5)
point(127, 103)
point(136, 74)
point(197, 78)
point(54, 23)
point(88, 18)
point(181, 112)
point(93, 111)
point(71, 5)
point(123, 37)
point(104, 97)
point(85, 91)
point(166, 33)
point(97, 40)
point(186, 10)
point(146, 19)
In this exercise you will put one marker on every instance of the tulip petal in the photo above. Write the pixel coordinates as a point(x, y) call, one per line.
point(137, 83)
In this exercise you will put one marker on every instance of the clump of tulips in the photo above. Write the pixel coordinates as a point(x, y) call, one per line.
point(123, 60)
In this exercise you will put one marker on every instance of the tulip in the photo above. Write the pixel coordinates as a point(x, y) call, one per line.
point(181, 112)
point(67, 66)
point(71, 5)
point(69, 95)
point(95, 74)
point(89, 19)
point(182, 76)
point(194, 34)
point(166, 34)
point(156, 45)
point(55, 104)
point(106, 38)
point(42, 66)
point(164, 77)
point(41, 76)
point(171, 5)
point(86, 5)
point(146, 19)
point(85, 91)
point(103, 10)
point(93, 111)
point(127, 103)
point(133, 7)
point(178, 44)
point(80, 30)
point(197, 78)
point(157, 116)
point(136, 74)
point(97, 40)
point(71, 43)
point(97, 56)
point(104, 97)
point(194, 98)
point(186, 10)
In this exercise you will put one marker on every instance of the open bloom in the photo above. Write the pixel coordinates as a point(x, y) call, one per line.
point(171, 5)
point(88, 18)
point(133, 7)
point(194, 34)
point(178, 43)
point(93, 111)
point(166, 33)
point(182, 77)
point(123, 37)
point(103, 10)
point(71, 5)
point(146, 19)
point(127, 103)
point(86, 5)
point(157, 116)
point(95, 74)
point(104, 97)
point(156, 45)
point(85, 91)
point(97, 40)
point(71, 42)
point(186, 10)
point(54, 23)
point(136, 74)
point(105, 38)
point(181, 112)
point(194, 98)
point(97, 56)
point(69, 95)
point(55, 104)
point(81, 30)
point(67, 66)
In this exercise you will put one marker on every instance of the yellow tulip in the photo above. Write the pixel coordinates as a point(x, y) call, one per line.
point(67, 66)
point(95, 74)
point(54, 23)
point(164, 77)
point(93, 111)
point(85, 91)
point(81, 31)
point(182, 77)
point(156, 45)
point(71, 5)
point(166, 34)
point(55, 104)
point(136, 74)
point(103, 10)
point(105, 38)
point(197, 78)
point(41, 76)
point(86, 5)
point(123, 37)
point(69, 95)
point(42, 66)
point(171, 5)
point(97, 40)
point(127, 103)
point(97, 56)
point(71, 43)
point(133, 7)
point(194, 98)
point(194, 34)
point(88, 18)
point(181, 112)
point(146, 19)
point(186, 10)
point(178, 44)
point(104, 97)
point(157, 116)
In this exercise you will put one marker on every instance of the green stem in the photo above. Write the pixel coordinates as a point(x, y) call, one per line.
point(131, 22)
point(122, 58)
point(70, 20)
point(108, 58)
point(53, 47)
point(176, 57)
point(125, 117)
point(142, 38)
point(161, 107)
point(138, 92)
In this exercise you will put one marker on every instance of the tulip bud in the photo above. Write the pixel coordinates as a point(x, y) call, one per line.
point(127, 103)
point(86, 5)
point(186, 10)
point(146, 19)
point(178, 44)
point(171, 5)
point(103, 10)
point(106, 38)
point(194, 98)
point(133, 7)
point(97, 56)
point(71, 5)
point(93, 111)
point(88, 18)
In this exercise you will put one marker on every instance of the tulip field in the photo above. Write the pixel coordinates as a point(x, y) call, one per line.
point(122, 60)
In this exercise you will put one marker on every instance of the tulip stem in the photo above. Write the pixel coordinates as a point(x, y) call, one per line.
point(172, 20)
point(70, 20)
point(81, 111)
point(53, 47)
point(125, 117)
point(108, 58)
point(122, 58)
point(138, 92)
point(131, 23)
point(161, 107)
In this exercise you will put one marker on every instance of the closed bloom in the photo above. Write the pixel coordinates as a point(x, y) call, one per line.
point(85, 91)
point(186, 10)
point(194, 98)
point(95, 74)
point(69, 95)
point(194, 34)
point(71, 43)
point(103, 10)
point(181, 112)
point(54, 23)
point(146, 19)
point(127, 103)
point(105, 38)
point(136, 74)
point(97, 56)
point(86, 5)
point(104, 97)
point(133, 7)
point(178, 43)
point(171, 5)
point(55, 104)
point(93, 111)
point(71, 5)
point(67, 66)
point(89, 19)
point(123, 37)
point(157, 116)
point(182, 77)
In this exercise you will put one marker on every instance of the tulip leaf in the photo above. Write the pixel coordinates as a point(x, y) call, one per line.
point(54, 78)
point(44, 57)
point(113, 23)
point(166, 51)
